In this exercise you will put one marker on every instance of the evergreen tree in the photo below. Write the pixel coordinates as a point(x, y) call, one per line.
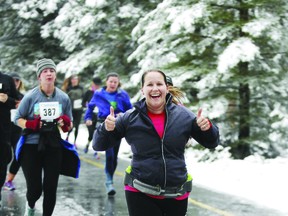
point(231, 56)
point(21, 42)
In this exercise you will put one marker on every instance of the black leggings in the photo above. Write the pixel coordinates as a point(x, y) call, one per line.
point(77, 116)
point(140, 204)
point(91, 128)
point(5, 155)
point(33, 163)
point(16, 133)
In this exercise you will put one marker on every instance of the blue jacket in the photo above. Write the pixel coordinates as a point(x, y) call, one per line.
point(157, 161)
point(99, 100)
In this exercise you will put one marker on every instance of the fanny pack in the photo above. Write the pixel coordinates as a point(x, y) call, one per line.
point(167, 192)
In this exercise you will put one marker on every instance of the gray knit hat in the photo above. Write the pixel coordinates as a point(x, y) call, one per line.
point(43, 64)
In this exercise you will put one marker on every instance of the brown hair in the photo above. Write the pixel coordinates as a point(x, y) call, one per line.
point(67, 82)
point(114, 74)
point(176, 93)
point(153, 70)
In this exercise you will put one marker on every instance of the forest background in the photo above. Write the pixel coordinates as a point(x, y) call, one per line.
point(228, 56)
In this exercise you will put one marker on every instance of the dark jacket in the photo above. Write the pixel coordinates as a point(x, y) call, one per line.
point(7, 86)
point(75, 94)
point(157, 161)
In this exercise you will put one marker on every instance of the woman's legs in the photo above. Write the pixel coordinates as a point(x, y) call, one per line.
point(31, 163)
point(15, 165)
point(52, 166)
point(77, 114)
point(110, 167)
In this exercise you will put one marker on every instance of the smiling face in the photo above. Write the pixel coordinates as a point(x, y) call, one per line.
point(155, 90)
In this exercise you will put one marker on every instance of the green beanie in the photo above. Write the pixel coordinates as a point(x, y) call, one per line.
point(43, 64)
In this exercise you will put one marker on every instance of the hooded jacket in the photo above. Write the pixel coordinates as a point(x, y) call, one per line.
point(156, 161)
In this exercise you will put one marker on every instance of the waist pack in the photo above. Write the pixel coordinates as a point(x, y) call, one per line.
point(168, 192)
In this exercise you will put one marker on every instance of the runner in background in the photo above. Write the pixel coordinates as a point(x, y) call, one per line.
point(95, 85)
point(8, 99)
point(42, 112)
point(104, 98)
point(75, 92)
point(15, 134)
point(178, 95)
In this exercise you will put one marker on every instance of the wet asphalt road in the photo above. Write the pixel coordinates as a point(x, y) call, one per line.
point(86, 196)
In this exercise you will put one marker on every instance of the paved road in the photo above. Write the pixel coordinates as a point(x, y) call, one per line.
point(86, 196)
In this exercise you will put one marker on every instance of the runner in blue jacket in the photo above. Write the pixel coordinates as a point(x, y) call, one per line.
point(104, 98)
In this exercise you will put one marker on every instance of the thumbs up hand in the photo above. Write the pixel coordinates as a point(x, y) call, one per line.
point(202, 122)
point(110, 120)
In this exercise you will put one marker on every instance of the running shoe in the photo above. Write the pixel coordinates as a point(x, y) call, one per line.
point(110, 189)
point(29, 211)
point(9, 186)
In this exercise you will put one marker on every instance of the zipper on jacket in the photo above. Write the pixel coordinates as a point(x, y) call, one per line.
point(162, 143)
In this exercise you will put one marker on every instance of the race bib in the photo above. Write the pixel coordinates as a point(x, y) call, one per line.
point(77, 104)
point(13, 114)
point(0, 85)
point(49, 110)
point(95, 110)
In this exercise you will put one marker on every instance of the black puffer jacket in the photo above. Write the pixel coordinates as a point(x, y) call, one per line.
point(157, 161)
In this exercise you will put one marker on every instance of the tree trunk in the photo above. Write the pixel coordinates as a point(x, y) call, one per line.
point(242, 148)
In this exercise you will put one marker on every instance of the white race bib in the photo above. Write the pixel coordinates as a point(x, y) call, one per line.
point(77, 104)
point(49, 110)
point(13, 114)
point(95, 110)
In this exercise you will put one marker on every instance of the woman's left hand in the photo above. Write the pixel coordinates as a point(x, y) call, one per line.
point(202, 122)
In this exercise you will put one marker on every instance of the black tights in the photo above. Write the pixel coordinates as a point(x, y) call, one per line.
point(5, 156)
point(140, 204)
point(77, 116)
point(33, 163)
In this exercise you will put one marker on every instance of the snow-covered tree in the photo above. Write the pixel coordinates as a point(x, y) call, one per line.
point(85, 37)
point(21, 44)
point(230, 55)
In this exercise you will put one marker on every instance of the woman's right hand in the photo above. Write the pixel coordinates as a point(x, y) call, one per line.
point(110, 120)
